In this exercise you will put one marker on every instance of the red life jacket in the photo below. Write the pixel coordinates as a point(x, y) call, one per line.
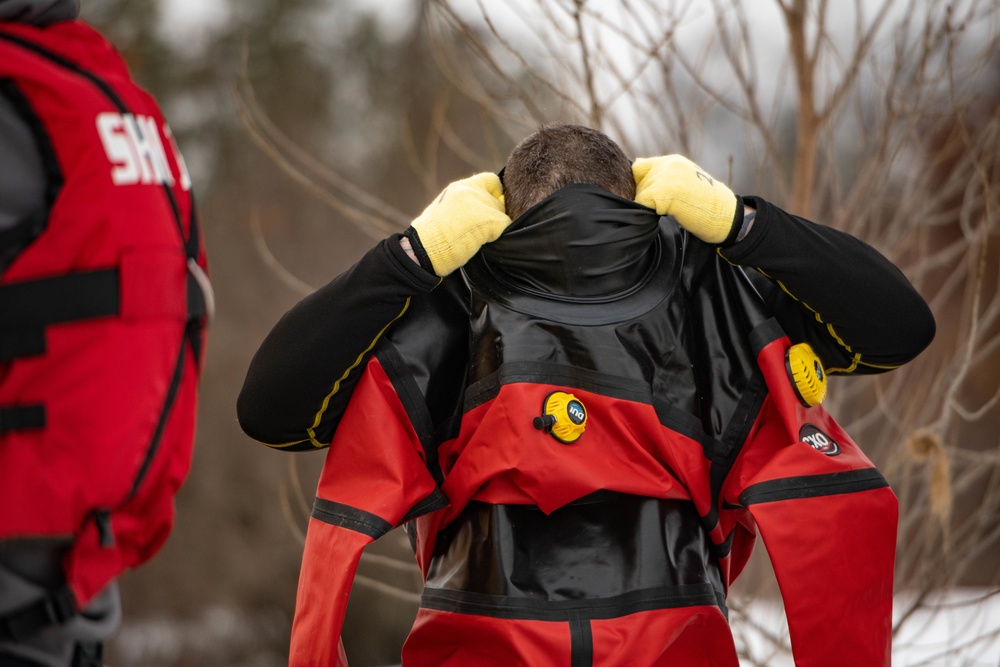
point(690, 415)
point(101, 313)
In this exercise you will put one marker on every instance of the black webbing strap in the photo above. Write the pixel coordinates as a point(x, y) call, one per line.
point(36, 304)
point(55, 608)
point(26, 308)
point(21, 417)
point(15, 345)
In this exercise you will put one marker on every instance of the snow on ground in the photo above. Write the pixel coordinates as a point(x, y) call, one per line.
point(958, 628)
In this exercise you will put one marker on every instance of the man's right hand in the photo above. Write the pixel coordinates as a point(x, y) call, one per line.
point(466, 215)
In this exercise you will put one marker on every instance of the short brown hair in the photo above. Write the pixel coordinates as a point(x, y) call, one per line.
point(559, 154)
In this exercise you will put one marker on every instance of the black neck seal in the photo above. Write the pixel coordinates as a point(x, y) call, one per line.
point(582, 255)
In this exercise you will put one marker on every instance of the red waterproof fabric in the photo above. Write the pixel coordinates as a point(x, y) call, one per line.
point(385, 476)
point(119, 392)
point(831, 538)
point(833, 553)
point(693, 636)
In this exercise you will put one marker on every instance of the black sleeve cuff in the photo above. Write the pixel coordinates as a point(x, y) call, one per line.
point(418, 250)
point(422, 275)
point(738, 252)
point(736, 226)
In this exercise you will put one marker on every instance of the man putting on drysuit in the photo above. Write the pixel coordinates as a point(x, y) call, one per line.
point(585, 416)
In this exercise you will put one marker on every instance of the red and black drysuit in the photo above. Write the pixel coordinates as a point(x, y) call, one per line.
point(620, 547)
point(103, 299)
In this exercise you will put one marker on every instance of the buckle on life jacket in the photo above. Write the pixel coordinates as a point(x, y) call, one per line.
point(200, 295)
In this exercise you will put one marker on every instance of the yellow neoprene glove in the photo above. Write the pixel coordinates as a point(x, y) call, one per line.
point(676, 186)
point(466, 215)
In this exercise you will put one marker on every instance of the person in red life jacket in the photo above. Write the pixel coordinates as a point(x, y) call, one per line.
point(585, 385)
point(103, 302)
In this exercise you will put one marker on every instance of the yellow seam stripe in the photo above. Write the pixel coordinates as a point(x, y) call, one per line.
point(285, 444)
point(885, 367)
point(718, 250)
point(850, 369)
point(829, 327)
point(336, 385)
point(856, 360)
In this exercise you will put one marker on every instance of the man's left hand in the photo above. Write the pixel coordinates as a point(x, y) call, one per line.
point(674, 185)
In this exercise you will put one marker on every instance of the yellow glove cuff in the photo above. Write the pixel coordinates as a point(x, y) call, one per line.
point(466, 215)
point(674, 185)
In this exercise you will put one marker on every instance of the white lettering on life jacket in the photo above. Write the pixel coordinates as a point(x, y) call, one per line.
point(135, 150)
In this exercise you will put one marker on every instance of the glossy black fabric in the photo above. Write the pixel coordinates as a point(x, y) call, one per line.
point(677, 338)
point(427, 362)
point(579, 244)
point(602, 546)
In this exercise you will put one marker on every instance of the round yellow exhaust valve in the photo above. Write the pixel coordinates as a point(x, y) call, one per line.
point(563, 417)
point(805, 370)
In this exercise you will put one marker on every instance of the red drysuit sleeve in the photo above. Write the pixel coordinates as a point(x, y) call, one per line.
point(374, 478)
point(828, 520)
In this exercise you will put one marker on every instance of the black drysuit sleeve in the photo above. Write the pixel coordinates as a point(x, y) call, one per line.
point(302, 375)
point(825, 287)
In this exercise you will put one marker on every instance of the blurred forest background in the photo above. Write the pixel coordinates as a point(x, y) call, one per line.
point(313, 128)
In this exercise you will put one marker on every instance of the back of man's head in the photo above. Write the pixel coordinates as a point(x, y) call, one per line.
point(557, 155)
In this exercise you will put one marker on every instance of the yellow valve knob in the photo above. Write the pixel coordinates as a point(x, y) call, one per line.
point(806, 373)
point(563, 417)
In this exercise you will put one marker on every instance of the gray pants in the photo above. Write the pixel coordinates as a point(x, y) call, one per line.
point(30, 568)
